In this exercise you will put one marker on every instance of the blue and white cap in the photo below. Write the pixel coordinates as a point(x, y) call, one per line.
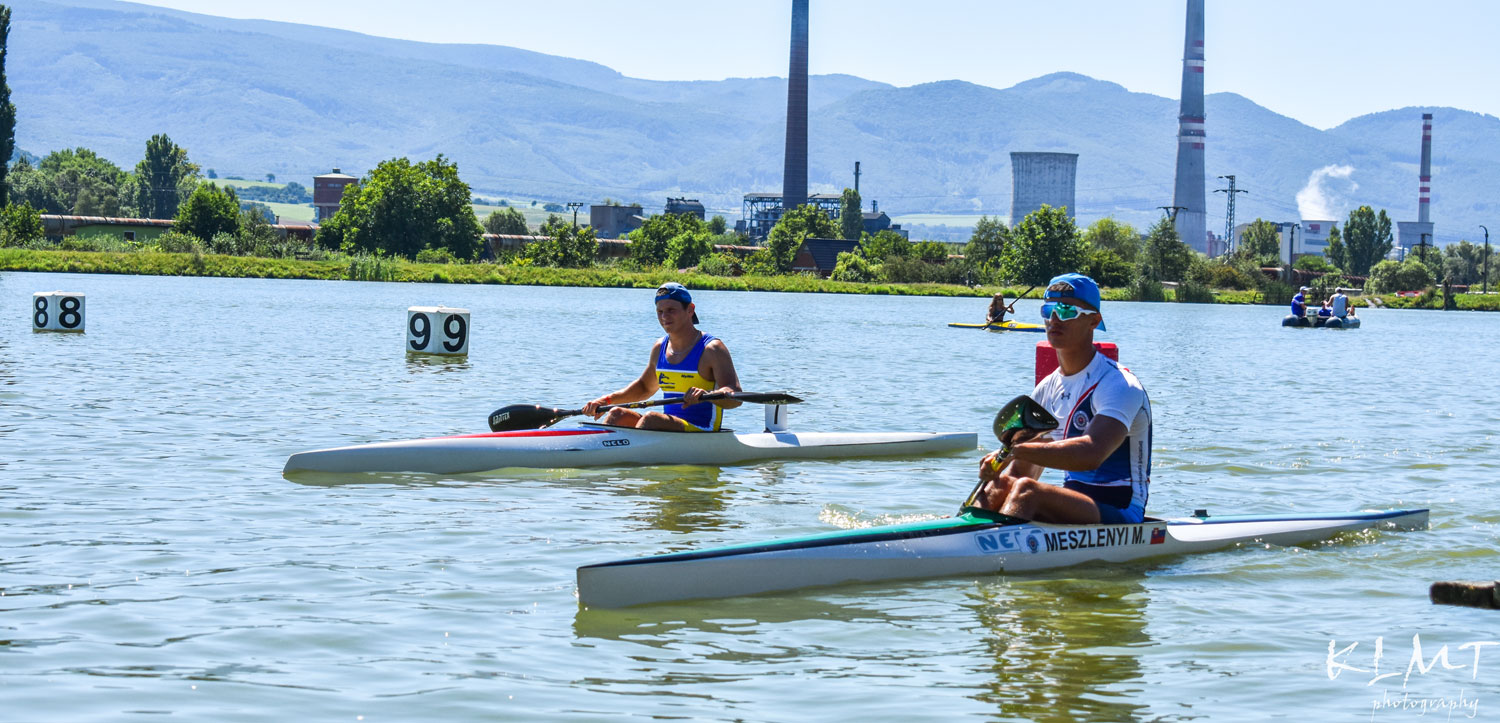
point(1075, 286)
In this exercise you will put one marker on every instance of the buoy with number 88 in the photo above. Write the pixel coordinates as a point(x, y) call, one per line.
point(437, 330)
point(57, 311)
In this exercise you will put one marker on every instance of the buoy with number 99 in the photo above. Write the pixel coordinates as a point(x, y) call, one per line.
point(437, 330)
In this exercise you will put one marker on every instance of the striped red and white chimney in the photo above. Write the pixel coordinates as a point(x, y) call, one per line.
point(1424, 181)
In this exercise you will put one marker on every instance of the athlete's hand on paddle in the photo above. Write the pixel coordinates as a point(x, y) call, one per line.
point(1021, 420)
point(530, 416)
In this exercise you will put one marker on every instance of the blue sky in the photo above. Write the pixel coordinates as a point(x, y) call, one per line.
point(1319, 61)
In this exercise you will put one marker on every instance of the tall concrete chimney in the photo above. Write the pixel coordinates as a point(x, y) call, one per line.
point(1192, 214)
point(1424, 181)
point(794, 175)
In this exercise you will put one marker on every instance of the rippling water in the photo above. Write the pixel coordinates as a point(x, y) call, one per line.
point(154, 560)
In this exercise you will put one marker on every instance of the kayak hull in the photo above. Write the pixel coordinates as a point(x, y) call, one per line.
point(594, 445)
point(1002, 326)
point(950, 547)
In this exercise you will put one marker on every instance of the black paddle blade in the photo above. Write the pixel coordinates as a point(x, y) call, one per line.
point(524, 416)
point(1023, 412)
point(766, 397)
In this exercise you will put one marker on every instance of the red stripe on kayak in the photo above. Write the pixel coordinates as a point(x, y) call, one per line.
point(531, 433)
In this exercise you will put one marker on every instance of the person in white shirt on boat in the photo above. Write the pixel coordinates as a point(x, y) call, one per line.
point(685, 364)
point(1339, 303)
point(1103, 444)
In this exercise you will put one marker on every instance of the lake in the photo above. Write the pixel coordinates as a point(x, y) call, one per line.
point(153, 560)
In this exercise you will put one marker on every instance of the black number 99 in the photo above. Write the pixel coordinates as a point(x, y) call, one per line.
point(39, 319)
point(422, 331)
point(456, 329)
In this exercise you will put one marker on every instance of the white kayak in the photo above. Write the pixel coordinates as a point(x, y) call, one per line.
point(969, 544)
point(594, 445)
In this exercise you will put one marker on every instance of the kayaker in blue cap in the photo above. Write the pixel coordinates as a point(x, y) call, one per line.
point(1103, 444)
point(685, 364)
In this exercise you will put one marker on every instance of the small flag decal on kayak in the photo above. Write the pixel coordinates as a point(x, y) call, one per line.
point(1158, 535)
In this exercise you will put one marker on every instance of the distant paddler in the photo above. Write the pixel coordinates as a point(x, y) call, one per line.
point(1103, 444)
point(998, 307)
point(685, 364)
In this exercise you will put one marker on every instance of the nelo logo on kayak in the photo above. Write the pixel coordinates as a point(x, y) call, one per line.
point(1116, 536)
point(1003, 541)
point(617, 443)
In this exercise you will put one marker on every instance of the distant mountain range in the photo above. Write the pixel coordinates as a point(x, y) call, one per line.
point(255, 97)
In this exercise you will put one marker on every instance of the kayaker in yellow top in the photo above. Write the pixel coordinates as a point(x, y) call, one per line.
point(685, 363)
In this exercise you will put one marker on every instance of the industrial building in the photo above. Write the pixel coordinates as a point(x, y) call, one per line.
point(614, 221)
point(761, 211)
point(328, 192)
point(1304, 238)
point(1188, 199)
point(1411, 234)
point(686, 205)
point(1039, 179)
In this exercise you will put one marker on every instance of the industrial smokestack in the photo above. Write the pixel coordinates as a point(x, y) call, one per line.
point(1192, 213)
point(1424, 181)
point(794, 175)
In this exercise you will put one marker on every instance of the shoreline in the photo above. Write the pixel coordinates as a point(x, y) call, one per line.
point(144, 263)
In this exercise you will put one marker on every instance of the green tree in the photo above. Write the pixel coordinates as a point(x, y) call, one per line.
point(1260, 239)
point(563, 245)
point(987, 244)
point(270, 178)
point(884, 245)
point(930, 252)
point(851, 215)
point(7, 109)
point(1336, 253)
point(209, 211)
point(87, 184)
point(686, 250)
point(1167, 258)
point(1110, 235)
point(163, 178)
point(797, 225)
point(650, 245)
point(508, 221)
point(1043, 245)
point(20, 224)
point(401, 208)
point(717, 225)
point(1463, 263)
point(1409, 275)
point(1313, 262)
point(30, 186)
point(1366, 240)
point(1106, 268)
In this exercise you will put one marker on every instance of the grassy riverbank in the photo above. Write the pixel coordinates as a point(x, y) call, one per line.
point(148, 263)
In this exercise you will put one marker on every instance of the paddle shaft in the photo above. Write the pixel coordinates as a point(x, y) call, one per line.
point(516, 417)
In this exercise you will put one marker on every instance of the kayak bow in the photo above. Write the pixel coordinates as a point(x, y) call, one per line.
point(970, 544)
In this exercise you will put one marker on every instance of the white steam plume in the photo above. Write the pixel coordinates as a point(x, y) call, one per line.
point(1326, 192)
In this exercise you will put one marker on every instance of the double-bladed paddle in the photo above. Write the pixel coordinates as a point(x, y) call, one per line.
point(1023, 412)
point(530, 416)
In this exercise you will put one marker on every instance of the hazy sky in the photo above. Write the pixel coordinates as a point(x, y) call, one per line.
point(1319, 61)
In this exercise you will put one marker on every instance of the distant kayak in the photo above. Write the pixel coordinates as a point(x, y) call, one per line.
point(1002, 326)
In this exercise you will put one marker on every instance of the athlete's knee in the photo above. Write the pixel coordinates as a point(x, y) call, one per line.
point(617, 417)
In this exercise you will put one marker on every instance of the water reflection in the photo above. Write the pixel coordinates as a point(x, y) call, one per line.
point(673, 498)
point(436, 363)
point(1063, 649)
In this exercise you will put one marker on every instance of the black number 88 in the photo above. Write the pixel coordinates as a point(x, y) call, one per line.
point(39, 319)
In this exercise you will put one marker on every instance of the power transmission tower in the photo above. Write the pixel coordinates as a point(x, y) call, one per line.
point(575, 205)
point(1229, 214)
point(1171, 212)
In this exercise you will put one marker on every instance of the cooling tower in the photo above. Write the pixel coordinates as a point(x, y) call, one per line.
point(1041, 178)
